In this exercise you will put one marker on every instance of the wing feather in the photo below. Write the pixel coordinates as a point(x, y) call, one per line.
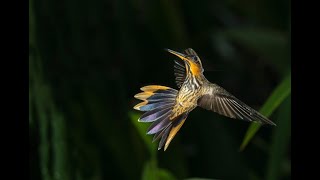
point(216, 99)
point(179, 72)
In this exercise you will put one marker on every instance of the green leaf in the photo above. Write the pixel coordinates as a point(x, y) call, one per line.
point(262, 40)
point(200, 179)
point(280, 140)
point(270, 44)
point(165, 175)
point(279, 94)
point(152, 172)
point(59, 146)
point(142, 129)
point(30, 109)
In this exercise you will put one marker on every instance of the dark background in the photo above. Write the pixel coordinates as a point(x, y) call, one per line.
point(87, 59)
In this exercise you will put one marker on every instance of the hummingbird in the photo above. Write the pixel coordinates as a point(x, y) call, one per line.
point(168, 108)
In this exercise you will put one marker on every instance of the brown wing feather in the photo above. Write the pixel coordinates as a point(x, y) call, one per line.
point(190, 51)
point(179, 72)
point(222, 102)
point(180, 68)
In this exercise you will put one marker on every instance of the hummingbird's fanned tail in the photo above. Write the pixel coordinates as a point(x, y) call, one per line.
point(170, 130)
point(155, 98)
point(158, 102)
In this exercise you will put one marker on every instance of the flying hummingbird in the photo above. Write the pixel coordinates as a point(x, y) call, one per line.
point(168, 108)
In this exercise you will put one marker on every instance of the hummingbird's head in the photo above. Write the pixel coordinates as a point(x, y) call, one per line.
point(191, 60)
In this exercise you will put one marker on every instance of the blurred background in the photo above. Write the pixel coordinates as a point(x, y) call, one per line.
point(87, 59)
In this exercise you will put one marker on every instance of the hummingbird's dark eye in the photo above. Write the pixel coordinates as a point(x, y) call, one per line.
point(195, 58)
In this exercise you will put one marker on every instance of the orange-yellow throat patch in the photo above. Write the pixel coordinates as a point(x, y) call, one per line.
point(195, 70)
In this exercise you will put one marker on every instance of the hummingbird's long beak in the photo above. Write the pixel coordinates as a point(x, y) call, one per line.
point(180, 55)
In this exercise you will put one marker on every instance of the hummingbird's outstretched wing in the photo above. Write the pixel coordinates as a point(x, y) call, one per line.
point(179, 72)
point(190, 51)
point(217, 99)
point(180, 68)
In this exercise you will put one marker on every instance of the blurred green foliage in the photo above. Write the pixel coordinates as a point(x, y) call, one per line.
point(276, 98)
point(87, 59)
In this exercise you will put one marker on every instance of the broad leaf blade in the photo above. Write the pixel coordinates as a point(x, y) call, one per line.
point(280, 141)
point(200, 179)
point(152, 172)
point(142, 129)
point(165, 175)
point(276, 98)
